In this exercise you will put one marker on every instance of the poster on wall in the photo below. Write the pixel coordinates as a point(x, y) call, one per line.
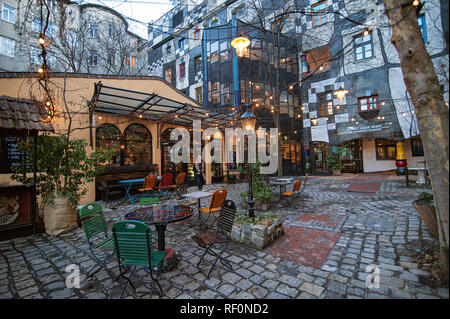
point(319, 133)
point(15, 207)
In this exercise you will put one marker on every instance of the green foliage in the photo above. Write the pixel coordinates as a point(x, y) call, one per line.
point(425, 199)
point(334, 159)
point(63, 168)
point(308, 165)
point(242, 217)
point(261, 191)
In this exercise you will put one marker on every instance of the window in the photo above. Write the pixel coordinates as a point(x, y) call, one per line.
point(319, 13)
point(197, 33)
point(111, 58)
point(386, 149)
point(318, 60)
point(177, 19)
point(36, 25)
point(416, 147)
point(35, 55)
point(7, 46)
point(215, 57)
point(93, 30)
point(422, 26)
point(8, 13)
point(137, 145)
point(363, 47)
point(198, 64)
point(112, 30)
point(368, 103)
point(130, 61)
point(107, 137)
point(168, 75)
point(199, 94)
point(325, 104)
point(181, 44)
point(92, 58)
point(168, 49)
point(182, 70)
point(52, 30)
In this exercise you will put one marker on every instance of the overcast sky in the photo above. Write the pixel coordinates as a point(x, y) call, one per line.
point(141, 10)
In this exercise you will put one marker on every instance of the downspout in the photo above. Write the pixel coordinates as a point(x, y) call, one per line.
point(237, 97)
point(205, 70)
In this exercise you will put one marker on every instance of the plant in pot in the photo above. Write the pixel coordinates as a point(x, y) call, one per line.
point(261, 191)
point(424, 205)
point(334, 162)
point(63, 169)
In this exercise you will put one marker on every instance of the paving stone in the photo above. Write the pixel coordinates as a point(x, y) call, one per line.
point(231, 277)
point(337, 287)
point(286, 290)
point(311, 289)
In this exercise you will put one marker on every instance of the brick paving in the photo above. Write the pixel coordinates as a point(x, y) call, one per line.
point(330, 239)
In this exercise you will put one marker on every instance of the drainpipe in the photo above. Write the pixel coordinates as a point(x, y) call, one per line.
point(237, 97)
point(205, 70)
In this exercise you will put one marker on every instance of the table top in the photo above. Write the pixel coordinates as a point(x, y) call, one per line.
point(136, 180)
point(160, 214)
point(197, 195)
point(283, 182)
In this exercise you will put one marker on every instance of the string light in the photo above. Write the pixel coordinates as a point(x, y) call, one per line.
point(416, 3)
point(366, 32)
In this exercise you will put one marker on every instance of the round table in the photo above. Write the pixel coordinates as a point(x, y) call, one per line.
point(160, 215)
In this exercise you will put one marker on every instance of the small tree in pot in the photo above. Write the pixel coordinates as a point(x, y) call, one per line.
point(334, 162)
point(63, 169)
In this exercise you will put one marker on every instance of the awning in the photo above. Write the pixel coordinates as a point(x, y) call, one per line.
point(154, 107)
point(23, 114)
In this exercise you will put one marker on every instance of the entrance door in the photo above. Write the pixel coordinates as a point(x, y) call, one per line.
point(320, 157)
point(351, 158)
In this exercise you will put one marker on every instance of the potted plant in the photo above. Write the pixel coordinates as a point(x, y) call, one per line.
point(334, 162)
point(63, 169)
point(424, 205)
point(262, 193)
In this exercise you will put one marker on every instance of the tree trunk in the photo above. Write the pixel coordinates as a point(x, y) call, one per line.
point(432, 113)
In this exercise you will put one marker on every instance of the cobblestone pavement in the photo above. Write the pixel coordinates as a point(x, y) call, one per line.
point(330, 238)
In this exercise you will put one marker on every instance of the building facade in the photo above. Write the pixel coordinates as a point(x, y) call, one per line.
point(84, 38)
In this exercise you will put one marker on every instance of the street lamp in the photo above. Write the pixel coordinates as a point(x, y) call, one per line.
point(240, 44)
point(248, 121)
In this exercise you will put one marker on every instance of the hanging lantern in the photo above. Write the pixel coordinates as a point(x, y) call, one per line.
point(248, 121)
point(240, 44)
point(340, 94)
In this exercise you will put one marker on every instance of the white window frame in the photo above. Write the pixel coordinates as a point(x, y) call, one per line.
point(9, 12)
point(7, 47)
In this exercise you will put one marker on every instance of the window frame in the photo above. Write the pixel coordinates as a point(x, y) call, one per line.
point(319, 13)
point(93, 35)
point(362, 45)
point(182, 68)
point(385, 147)
point(10, 11)
point(326, 104)
point(367, 98)
point(199, 94)
point(11, 51)
point(197, 64)
point(92, 54)
point(414, 149)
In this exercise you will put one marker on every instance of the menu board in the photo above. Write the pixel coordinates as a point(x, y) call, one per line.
point(10, 155)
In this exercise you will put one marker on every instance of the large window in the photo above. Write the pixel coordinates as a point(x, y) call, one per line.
point(363, 47)
point(137, 145)
point(8, 13)
point(7, 46)
point(386, 149)
point(319, 13)
point(416, 147)
point(368, 103)
point(108, 138)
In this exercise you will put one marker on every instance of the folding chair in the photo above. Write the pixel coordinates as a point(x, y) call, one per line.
point(179, 186)
point(215, 205)
point(133, 247)
point(96, 230)
point(149, 185)
point(301, 191)
point(164, 185)
point(209, 240)
point(291, 196)
point(147, 201)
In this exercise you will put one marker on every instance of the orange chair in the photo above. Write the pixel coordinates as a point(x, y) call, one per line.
point(294, 194)
point(217, 200)
point(149, 185)
point(179, 185)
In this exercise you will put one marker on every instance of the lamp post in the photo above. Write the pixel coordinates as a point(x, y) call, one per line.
point(248, 121)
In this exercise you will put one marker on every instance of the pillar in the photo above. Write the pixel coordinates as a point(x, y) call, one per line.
point(400, 159)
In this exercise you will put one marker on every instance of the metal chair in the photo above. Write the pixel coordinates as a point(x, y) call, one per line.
point(180, 186)
point(164, 185)
point(149, 185)
point(133, 247)
point(291, 196)
point(215, 205)
point(96, 230)
point(209, 240)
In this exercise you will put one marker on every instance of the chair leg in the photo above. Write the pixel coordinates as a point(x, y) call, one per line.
point(128, 281)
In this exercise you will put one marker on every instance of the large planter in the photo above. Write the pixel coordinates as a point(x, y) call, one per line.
point(59, 218)
point(428, 215)
point(336, 172)
point(258, 236)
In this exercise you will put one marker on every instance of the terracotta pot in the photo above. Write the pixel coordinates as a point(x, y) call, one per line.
point(428, 215)
point(336, 172)
point(59, 218)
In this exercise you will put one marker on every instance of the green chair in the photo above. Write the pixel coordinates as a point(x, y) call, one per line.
point(147, 201)
point(133, 247)
point(96, 230)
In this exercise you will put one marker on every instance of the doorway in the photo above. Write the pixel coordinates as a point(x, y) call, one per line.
point(320, 157)
point(351, 158)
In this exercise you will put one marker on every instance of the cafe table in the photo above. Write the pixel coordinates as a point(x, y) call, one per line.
point(127, 184)
point(197, 196)
point(160, 215)
point(282, 183)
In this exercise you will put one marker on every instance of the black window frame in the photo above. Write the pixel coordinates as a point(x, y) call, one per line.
point(385, 147)
point(416, 150)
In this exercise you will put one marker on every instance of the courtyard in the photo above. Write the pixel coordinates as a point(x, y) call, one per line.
point(345, 224)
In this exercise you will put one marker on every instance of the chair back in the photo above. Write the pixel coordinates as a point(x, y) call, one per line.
point(146, 201)
point(166, 180)
point(226, 218)
point(132, 242)
point(181, 178)
point(218, 198)
point(304, 181)
point(150, 181)
point(297, 185)
point(92, 220)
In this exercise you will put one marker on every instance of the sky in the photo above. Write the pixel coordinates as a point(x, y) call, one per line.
point(141, 10)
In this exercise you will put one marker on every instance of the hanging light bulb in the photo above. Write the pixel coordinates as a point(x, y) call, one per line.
point(240, 44)
point(416, 3)
point(340, 94)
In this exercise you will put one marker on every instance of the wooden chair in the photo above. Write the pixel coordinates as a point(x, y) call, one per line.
point(179, 186)
point(290, 196)
point(149, 185)
point(133, 247)
point(219, 239)
point(215, 206)
point(96, 230)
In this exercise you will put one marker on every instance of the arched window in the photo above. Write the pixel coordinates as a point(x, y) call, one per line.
point(137, 145)
point(107, 137)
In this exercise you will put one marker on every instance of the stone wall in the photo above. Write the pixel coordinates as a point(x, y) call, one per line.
point(258, 236)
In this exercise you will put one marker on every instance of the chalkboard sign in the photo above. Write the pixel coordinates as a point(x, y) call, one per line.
point(10, 155)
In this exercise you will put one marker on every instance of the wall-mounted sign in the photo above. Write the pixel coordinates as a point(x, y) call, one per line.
point(363, 129)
